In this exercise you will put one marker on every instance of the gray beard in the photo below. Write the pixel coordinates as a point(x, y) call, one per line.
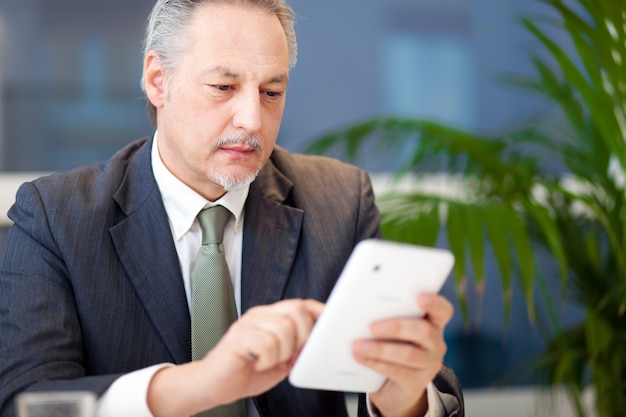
point(229, 182)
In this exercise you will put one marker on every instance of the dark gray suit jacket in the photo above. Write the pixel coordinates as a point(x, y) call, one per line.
point(91, 286)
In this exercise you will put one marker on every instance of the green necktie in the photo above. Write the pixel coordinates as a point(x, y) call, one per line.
point(213, 307)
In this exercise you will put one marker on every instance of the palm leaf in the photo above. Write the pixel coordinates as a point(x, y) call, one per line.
point(506, 198)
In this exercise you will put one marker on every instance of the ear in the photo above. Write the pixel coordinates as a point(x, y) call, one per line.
point(154, 79)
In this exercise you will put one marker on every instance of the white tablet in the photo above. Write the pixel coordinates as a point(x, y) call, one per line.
point(381, 279)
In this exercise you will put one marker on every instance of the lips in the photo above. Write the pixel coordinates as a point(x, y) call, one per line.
point(238, 150)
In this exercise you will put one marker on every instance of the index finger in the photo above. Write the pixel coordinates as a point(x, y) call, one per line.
point(302, 312)
point(438, 310)
point(314, 309)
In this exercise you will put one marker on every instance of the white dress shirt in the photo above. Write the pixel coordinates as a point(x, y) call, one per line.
point(127, 396)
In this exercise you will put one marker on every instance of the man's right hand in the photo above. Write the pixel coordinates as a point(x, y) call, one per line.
point(256, 353)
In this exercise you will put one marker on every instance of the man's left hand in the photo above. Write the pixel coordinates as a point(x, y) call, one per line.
point(410, 352)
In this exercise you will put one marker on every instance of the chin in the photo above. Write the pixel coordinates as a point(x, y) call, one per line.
point(231, 182)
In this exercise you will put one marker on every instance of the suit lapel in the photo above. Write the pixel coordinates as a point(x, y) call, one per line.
point(144, 244)
point(270, 238)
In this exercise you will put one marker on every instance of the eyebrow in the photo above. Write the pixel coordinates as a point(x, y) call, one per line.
point(221, 70)
point(226, 72)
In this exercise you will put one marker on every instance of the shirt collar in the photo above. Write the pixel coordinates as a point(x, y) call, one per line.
point(183, 204)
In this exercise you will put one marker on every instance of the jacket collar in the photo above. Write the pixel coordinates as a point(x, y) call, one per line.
point(271, 233)
point(144, 233)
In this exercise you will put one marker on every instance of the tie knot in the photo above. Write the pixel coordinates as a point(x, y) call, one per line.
point(212, 222)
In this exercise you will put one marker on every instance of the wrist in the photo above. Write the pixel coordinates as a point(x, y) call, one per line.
point(418, 409)
point(179, 391)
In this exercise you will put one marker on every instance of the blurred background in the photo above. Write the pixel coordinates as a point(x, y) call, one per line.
point(70, 95)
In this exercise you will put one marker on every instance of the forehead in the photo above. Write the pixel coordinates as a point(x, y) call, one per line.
point(223, 35)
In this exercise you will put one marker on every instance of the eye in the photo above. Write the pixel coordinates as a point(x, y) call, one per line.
point(273, 94)
point(221, 87)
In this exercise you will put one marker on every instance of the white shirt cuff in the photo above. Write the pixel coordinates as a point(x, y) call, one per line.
point(435, 407)
point(128, 395)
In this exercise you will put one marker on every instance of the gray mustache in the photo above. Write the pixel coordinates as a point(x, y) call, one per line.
point(250, 140)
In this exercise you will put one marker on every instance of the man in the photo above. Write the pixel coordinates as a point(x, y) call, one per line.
point(96, 282)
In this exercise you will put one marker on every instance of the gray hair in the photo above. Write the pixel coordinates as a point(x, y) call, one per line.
point(169, 18)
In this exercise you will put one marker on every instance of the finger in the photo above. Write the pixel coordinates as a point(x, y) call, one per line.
point(279, 340)
point(281, 329)
point(304, 316)
point(245, 339)
point(259, 350)
point(417, 331)
point(403, 350)
point(401, 362)
point(303, 313)
point(314, 307)
point(438, 310)
point(270, 336)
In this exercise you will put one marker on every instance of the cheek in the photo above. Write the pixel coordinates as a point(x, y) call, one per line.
point(271, 123)
point(186, 100)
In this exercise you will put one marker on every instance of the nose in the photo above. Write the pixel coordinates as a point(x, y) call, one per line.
point(247, 112)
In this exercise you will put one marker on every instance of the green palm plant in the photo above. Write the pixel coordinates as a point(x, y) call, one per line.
point(505, 197)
